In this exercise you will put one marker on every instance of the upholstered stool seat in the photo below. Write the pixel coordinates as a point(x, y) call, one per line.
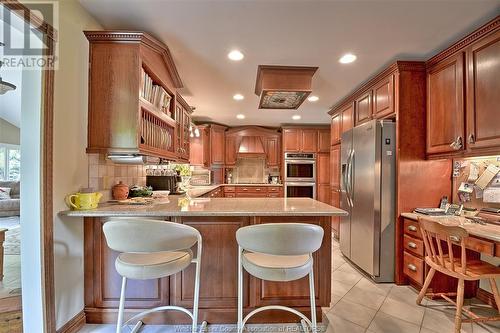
point(144, 266)
point(279, 252)
point(153, 249)
point(275, 267)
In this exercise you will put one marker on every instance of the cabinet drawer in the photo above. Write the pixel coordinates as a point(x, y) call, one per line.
point(274, 195)
point(229, 195)
point(251, 195)
point(250, 189)
point(274, 189)
point(413, 245)
point(229, 188)
point(412, 228)
point(413, 267)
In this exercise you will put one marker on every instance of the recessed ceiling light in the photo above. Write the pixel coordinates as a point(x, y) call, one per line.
point(347, 58)
point(313, 98)
point(238, 97)
point(296, 117)
point(240, 116)
point(235, 55)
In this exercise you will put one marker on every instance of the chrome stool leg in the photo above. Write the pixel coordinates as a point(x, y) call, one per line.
point(119, 322)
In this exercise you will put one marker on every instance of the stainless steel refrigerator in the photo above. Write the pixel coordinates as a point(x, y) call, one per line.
point(368, 175)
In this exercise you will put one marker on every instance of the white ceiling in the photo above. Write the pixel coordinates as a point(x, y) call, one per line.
point(200, 33)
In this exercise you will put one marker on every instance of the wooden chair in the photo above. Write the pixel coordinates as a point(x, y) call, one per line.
point(445, 262)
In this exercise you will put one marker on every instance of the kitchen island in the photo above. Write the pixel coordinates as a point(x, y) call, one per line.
point(217, 219)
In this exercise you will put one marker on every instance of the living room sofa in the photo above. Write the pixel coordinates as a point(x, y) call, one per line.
point(10, 207)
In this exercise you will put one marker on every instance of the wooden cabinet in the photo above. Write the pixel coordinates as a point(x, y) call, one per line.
point(182, 117)
point(197, 149)
point(272, 147)
point(215, 145)
point(336, 128)
point(347, 118)
point(258, 191)
point(335, 167)
point(483, 94)
point(309, 141)
point(324, 141)
point(383, 97)
point(445, 106)
point(335, 202)
point(323, 177)
point(363, 106)
point(291, 139)
point(123, 114)
point(231, 150)
point(306, 139)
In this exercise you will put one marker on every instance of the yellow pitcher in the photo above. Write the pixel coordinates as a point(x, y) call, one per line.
point(83, 201)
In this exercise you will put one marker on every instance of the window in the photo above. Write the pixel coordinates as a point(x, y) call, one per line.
point(10, 162)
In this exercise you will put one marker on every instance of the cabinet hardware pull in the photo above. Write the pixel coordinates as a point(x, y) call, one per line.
point(457, 144)
point(412, 267)
point(412, 245)
point(412, 228)
point(472, 138)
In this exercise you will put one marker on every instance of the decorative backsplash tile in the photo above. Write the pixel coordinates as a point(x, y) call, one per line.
point(104, 174)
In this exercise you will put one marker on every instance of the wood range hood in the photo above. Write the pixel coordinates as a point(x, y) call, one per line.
point(251, 146)
point(283, 87)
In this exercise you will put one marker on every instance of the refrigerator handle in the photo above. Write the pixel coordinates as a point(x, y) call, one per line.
point(350, 186)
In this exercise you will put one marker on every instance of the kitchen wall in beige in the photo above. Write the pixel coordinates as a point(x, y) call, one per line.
point(9, 133)
point(70, 160)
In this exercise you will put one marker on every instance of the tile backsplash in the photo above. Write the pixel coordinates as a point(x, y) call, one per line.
point(104, 174)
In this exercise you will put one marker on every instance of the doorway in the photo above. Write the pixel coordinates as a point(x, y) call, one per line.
point(25, 171)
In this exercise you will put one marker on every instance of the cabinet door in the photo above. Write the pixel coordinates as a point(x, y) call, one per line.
point(323, 194)
point(445, 106)
point(335, 202)
point(231, 149)
point(323, 168)
point(364, 107)
point(272, 151)
point(347, 118)
point(186, 122)
point(309, 141)
point(335, 167)
point(205, 134)
point(383, 97)
point(324, 141)
point(217, 145)
point(483, 93)
point(196, 151)
point(219, 265)
point(336, 129)
point(291, 140)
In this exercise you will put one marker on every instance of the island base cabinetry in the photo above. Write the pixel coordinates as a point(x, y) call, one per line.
point(218, 286)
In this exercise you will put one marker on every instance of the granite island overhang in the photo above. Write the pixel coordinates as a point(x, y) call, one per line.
point(217, 219)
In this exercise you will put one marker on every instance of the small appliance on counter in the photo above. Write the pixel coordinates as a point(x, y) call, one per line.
point(84, 200)
point(164, 183)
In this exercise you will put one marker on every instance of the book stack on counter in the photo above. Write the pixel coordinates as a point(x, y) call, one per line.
point(155, 94)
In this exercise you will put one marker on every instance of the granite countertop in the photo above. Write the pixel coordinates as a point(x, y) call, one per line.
point(183, 206)
point(487, 231)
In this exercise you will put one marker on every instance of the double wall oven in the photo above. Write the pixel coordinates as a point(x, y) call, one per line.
point(300, 175)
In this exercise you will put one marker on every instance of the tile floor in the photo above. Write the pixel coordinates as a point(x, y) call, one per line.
point(360, 306)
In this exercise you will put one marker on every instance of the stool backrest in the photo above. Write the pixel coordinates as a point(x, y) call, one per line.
point(434, 233)
point(143, 235)
point(280, 238)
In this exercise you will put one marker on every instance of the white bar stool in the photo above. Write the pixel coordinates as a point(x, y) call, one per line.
point(278, 252)
point(152, 249)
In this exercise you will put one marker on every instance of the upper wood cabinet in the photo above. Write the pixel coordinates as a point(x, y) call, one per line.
point(347, 118)
point(483, 93)
point(291, 139)
point(383, 97)
point(125, 116)
point(272, 147)
point(217, 142)
point(324, 140)
point(197, 148)
point(363, 106)
point(231, 150)
point(307, 139)
point(336, 128)
point(445, 106)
